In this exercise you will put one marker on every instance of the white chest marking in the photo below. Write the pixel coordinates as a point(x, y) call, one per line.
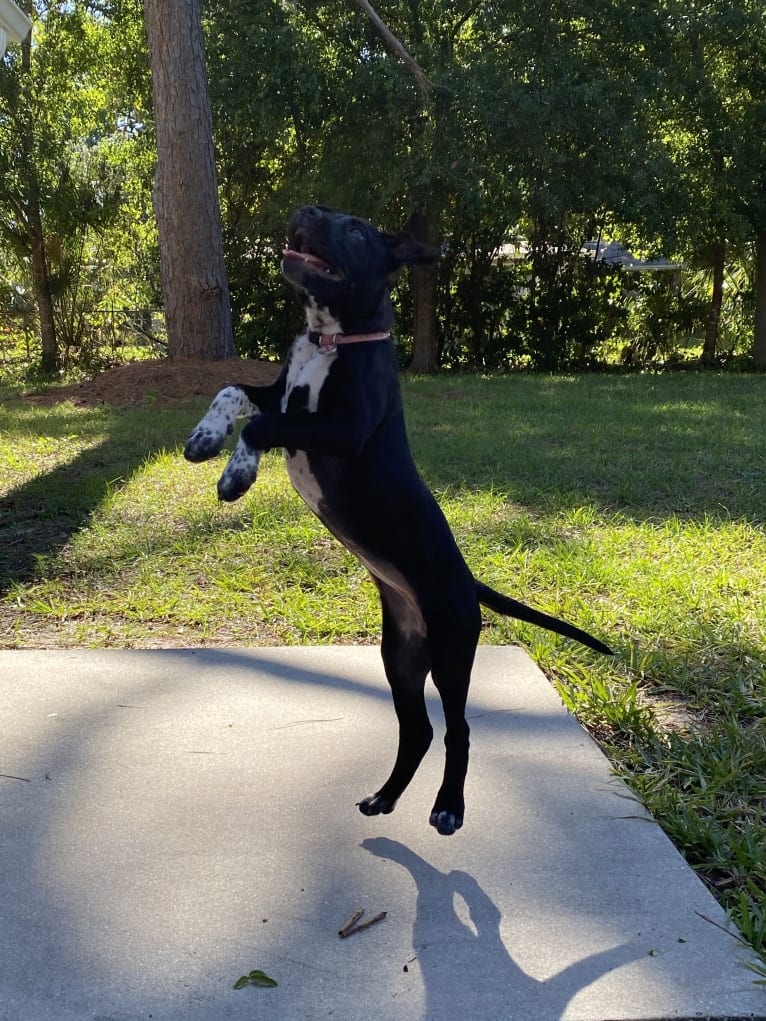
point(320, 319)
point(308, 367)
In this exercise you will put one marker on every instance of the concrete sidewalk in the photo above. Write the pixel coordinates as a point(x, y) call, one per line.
point(171, 820)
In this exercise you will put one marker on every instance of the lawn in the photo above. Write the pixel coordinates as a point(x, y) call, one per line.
point(632, 505)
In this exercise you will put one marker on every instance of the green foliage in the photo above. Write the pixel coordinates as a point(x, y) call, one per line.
point(554, 123)
point(506, 313)
point(73, 151)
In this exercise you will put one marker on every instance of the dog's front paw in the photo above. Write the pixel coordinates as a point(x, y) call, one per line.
point(210, 435)
point(374, 804)
point(240, 473)
point(204, 443)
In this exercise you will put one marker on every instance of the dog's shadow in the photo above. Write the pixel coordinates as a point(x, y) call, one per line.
point(469, 957)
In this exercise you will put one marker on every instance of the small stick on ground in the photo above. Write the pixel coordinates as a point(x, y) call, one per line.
point(364, 925)
point(349, 924)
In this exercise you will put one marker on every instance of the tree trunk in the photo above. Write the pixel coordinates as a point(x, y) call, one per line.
point(712, 325)
point(194, 281)
point(424, 293)
point(50, 360)
point(759, 338)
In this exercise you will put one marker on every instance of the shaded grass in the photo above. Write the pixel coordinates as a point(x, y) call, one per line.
point(633, 506)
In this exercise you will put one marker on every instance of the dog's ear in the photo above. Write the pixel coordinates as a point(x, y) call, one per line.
point(404, 250)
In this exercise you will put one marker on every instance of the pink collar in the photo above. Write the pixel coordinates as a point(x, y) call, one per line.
point(327, 340)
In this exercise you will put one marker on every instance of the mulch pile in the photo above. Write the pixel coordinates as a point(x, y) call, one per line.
point(158, 382)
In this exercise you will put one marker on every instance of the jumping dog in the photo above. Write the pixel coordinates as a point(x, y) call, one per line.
point(336, 410)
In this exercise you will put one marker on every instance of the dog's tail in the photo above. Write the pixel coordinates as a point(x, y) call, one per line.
point(513, 608)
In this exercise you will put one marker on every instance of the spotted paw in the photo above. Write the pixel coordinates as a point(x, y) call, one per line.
point(209, 436)
point(445, 822)
point(204, 443)
point(240, 473)
point(374, 804)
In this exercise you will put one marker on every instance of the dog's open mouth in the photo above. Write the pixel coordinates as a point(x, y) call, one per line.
point(312, 260)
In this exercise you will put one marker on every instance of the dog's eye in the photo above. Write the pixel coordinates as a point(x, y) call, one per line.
point(356, 232)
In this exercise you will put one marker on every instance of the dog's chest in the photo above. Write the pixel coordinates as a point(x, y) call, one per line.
point(307, 370)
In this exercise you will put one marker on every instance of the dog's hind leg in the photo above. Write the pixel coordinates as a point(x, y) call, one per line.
point(406, 662)
point(453, 654)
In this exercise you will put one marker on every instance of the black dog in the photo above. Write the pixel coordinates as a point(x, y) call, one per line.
point(336, 409)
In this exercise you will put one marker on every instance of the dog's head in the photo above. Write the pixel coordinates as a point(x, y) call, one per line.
point(344, 268)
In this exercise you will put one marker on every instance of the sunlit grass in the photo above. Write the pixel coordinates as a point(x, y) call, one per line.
point(632, 506)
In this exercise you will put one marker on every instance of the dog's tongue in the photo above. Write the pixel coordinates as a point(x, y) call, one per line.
point(314, 260)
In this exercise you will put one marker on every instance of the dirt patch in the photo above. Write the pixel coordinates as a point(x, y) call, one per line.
point(159, 382)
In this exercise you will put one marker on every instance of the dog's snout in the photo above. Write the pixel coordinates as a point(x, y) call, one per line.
point(315, 213)
point(307, 220)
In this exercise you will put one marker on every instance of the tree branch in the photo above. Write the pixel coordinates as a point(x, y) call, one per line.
point(396, 46)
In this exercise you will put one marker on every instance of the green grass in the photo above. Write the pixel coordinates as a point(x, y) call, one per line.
point(631, 505)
